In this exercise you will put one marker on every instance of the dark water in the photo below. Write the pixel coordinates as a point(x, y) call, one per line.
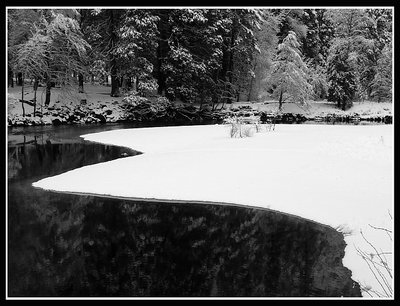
point(72, 245)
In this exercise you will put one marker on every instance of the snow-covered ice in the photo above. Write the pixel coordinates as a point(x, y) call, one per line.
point(339, 175)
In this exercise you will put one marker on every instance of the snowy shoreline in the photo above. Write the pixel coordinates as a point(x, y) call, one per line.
point(334, 175)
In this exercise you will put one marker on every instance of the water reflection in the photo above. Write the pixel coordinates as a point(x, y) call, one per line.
point(36, 157)
point(71, 245)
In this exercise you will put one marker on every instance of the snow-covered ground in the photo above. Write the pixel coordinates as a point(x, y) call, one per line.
point(338, 175)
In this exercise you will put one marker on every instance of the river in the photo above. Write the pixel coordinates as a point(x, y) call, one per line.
point(63, 245)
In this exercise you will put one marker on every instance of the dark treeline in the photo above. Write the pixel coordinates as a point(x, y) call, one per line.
point(207, 56)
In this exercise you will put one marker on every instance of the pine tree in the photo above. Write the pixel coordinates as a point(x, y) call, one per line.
point(382, 82)
point(137, 49)
point(289, 77)
point(267, 42)
point(102, 31)
point(341, 74)
point(319, 35)
point(186, 70)
point(245, 48)
point(366, 32)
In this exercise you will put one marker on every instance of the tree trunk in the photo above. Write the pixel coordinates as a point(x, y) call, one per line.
point(249, 96)
point(164, 29)
point(80, 83)
point(137, 85)
point(114, 83)
point(48, 93)
point(134, 87)
point(128, 83)
point(231, 52)
point(280, 100)
point(35, 87)
point(10, 77)
point(114, 69)
point(122, 83)
point(19, 79)
point(22, 97)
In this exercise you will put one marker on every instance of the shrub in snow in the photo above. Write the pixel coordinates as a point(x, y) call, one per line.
point(247, 130)
point(234, 131)
point(258, 127)
point(238, 129)
point(141, 108)
point(133, 100)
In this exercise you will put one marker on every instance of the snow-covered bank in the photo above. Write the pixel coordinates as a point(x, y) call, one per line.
point(322, 108)
point(336, 175)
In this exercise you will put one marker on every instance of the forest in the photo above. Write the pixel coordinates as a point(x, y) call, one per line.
point(207, 56)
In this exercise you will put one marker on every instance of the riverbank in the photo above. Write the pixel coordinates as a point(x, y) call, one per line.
point(96, 106)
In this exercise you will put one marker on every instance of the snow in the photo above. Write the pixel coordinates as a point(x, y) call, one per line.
point(338, 175)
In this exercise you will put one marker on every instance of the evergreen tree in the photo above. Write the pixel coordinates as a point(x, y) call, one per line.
point(376, 36)
point(289, 77)
point(367, 32)
point(137, 49)
point(290, 20)
point(319, 35)
point(191, 55)
point(101, 28)
point(341, 74)
point(318, 79)
point(382, 82)
point(207, 56)
point(246, 47)
point(267, 41)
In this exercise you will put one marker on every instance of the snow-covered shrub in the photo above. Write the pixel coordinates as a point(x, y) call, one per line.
point(235, 129)
point(133, 100)
point(147, 86)
point(141, 108)
point(238, 129)
point(161, 104)
point(247, 130)
point(258, 127)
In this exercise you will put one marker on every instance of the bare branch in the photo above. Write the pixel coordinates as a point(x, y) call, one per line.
point(377, 253)
point(372, 270)
point(380, 228)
